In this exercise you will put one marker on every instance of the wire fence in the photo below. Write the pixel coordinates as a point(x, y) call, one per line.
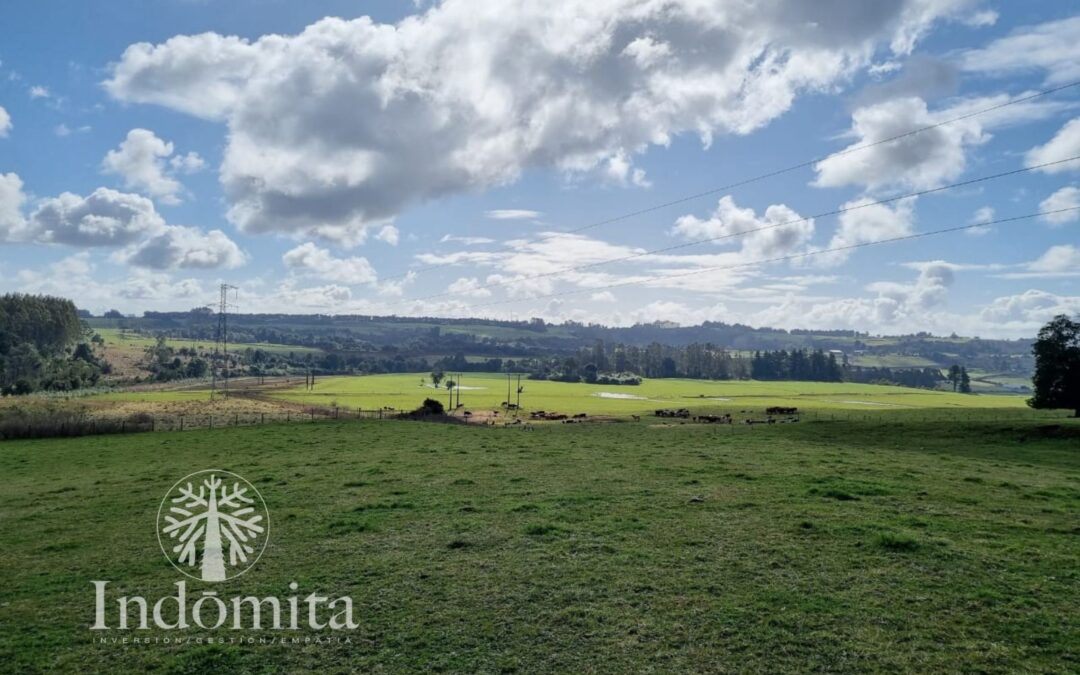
point(70, 425)
point(56, 425)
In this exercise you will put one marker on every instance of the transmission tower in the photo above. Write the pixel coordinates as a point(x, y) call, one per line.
point(221, 345)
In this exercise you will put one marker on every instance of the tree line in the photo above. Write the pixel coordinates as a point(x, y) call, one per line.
point(44, 346)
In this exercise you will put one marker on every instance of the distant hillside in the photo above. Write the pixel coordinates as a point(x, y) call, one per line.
point(478, 339)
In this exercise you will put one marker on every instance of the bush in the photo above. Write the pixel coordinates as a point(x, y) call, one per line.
point(891, 541)
point(432, 407)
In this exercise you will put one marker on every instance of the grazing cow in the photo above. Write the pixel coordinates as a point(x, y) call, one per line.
point(781, 410)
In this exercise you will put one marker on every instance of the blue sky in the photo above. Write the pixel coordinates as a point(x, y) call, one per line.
point(442, 158)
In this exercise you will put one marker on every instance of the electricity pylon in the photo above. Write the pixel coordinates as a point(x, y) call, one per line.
point(221, 345)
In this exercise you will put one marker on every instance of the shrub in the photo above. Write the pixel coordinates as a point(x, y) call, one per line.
point(432, 407)
point(892, 541)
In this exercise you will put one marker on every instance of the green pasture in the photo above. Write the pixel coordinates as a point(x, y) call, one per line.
point(816, 547)
point(488, 391)
point(891, 361)
point(123, 338)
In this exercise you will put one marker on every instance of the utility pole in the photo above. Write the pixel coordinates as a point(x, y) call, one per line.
point(221, 342)
point(508, 376)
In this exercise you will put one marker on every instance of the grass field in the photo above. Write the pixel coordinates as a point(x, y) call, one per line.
point(139, 341)
point(487, 391)
point(892, 361)
point(843, 546)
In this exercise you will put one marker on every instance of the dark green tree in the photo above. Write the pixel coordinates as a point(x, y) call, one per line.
point(965, 381)
point(1057, 366)
point(954, 376)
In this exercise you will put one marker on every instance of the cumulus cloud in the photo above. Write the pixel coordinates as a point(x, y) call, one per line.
point(603, 296)
point(1052, 47)
point(1065, 198)
point(1064, 144)
point(344, 125)
point(864, 221)
point(192, 162)
point(108, 218)
point(983, 214)
point(12, 198)
point(922, 160)
point(929, 289)
point(896, 305)
point(310, 260)
point(469, 287)
point(5, 123)
point(389, 234)
point(143, 161)
point(74, 277)
point(103, 218)
point(782, 230)
point(185, 247)
point(1029, 309)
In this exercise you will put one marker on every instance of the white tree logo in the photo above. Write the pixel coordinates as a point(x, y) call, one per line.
point(202, 514)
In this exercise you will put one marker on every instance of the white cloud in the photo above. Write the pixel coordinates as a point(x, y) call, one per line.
point(389, 234)
point(38, 91)
point(5, 123)
point(924, 160)
point(929, 289)
point(469, 94)
point(104, 218)
point(185, 247)
point(468, 287)
point(512, 214)
point(784, 231)
point(310, 260)
point(983, 214)
point(467, 241)
point(603, 296)
point(1064, 258)
point(981, 19)
point(110, 218)
point(148, 287)
point(141, 162)
point(1053, 47)
point(1064, 144)
point(192, 162)
point(1028, 310)
point(863, 222)
point(12, 198)
point(895, 307)
point(74, 277)
point(1065, 198)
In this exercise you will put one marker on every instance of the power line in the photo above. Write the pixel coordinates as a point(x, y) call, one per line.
point(732, 235)
point(794, 256)
point(777, 172)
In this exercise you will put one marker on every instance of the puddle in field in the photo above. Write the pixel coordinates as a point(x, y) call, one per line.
point(624, 397)
point(887, 405)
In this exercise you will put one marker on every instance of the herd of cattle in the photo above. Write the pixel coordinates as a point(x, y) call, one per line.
point(773, 415)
